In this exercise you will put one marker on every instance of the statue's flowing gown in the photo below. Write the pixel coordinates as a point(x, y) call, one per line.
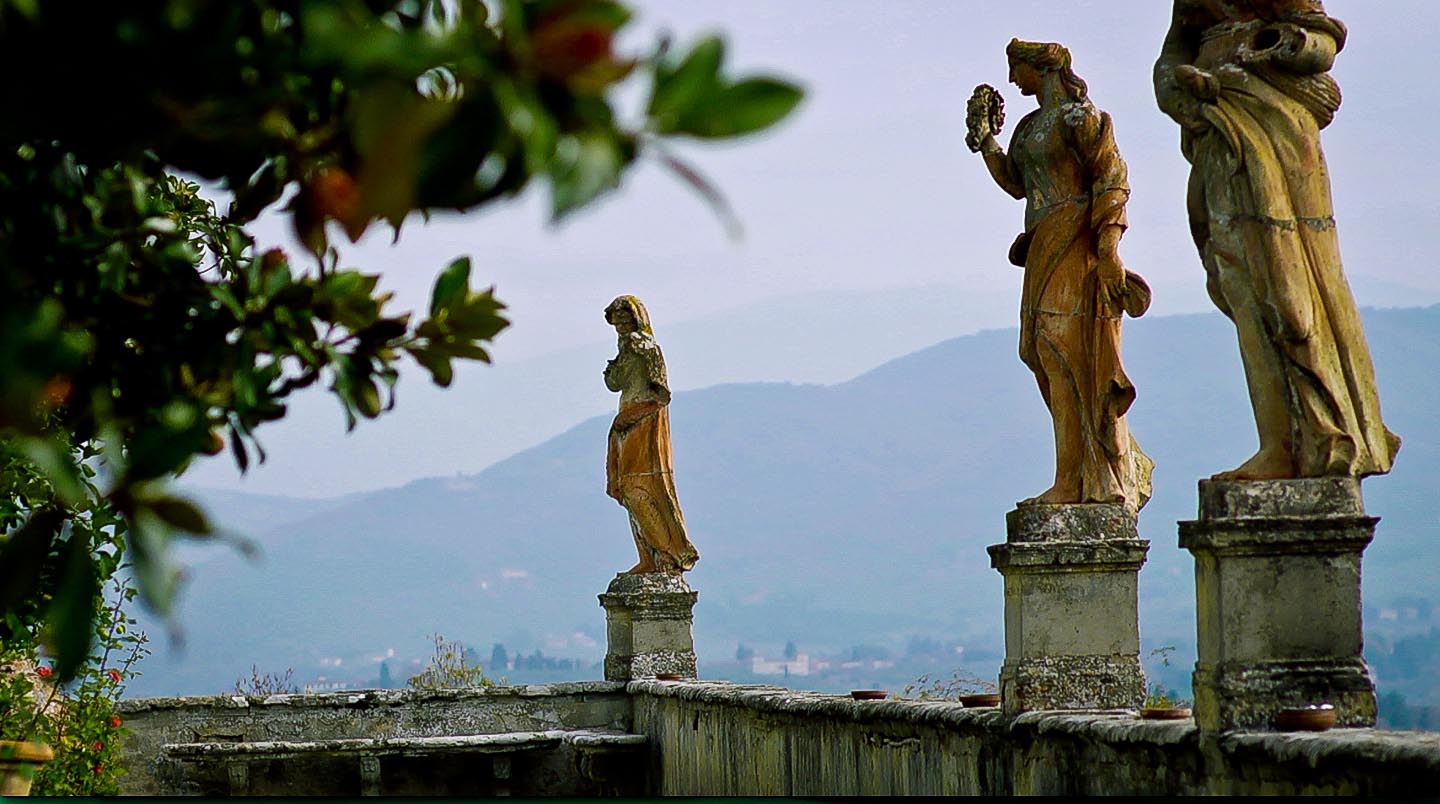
point(640, 469)
point(1075, 182)
point(1262, 218)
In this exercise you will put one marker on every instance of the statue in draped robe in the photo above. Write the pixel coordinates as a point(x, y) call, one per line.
point(1248, 81)
point(639, 467)
point(1064, 164)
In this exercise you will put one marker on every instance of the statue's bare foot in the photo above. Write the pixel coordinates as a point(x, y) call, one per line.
point(1055, 495)
point(1265, 465)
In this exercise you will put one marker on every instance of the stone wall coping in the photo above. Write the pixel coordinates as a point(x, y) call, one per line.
point(366, 698)
point(1338, 746)
point(767, 698)
point(485, 743)
point(1349, 746)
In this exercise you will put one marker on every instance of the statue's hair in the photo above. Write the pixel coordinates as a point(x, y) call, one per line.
point(637, 309)
point(1049, 57)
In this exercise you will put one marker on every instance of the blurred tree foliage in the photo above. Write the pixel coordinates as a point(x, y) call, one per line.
point(138, 325)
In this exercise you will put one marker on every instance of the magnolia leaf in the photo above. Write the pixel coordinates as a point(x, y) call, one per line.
point(71, 622)
point(586, 165)
point(391, 125)
point(181, 514)
point(744, 108)
point(695, 81)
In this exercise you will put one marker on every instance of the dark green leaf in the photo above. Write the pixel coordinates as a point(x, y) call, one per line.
point(22, 557)
point(450, 286)
point(694, 82)
point(436, 363)
point(743, 108)
point(181, 514)
point(586, 164)
point(72, 614)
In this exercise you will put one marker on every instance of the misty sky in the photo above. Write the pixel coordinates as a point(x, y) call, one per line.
point(870, 186)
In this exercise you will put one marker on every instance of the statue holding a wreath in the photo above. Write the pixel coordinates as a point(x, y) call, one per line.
point(1064, 164)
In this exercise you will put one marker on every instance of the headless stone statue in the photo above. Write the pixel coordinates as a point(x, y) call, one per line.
point(1248, 82)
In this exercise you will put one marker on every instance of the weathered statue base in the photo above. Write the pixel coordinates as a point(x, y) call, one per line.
point(649, 622)
point(1072, 634)
point(1277, 587)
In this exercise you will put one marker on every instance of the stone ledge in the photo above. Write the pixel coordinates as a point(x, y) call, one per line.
point(1049, 748)
point(1278, 535)
point(1413, 749)
point(1080, 556)
point(475, 743)
point(368, 698)
point(778, 700)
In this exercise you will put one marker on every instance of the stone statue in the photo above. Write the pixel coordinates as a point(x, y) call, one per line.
point(639, 468)
point(1247, 80)
point(1063, 162)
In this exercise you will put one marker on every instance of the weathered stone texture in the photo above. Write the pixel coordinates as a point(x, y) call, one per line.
point(1277, 584)
point(154, 723)
point(649, 626)
point(727, 739)
point(1072, 638)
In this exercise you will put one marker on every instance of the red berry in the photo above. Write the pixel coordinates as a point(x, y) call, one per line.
point(44, 671)
point(115, 675)
point(115, 721)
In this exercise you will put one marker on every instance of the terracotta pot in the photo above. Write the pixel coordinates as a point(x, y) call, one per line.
point(869, 695)
point(1164, 713)
point(981, 700)
point(1317, 717)
point(18, 763)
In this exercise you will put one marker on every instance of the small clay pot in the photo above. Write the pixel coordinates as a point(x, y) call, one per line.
point(667, 676)
point(981, 700)
point(869, 695)
point(1164, 713)
point(1316, 717)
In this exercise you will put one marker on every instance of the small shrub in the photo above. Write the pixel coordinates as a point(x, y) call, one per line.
point(449, 669)
point(1157, 697)
point(959, 683)
point(267, 683)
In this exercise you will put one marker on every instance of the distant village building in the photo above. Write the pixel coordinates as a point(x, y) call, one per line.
point(798, 666)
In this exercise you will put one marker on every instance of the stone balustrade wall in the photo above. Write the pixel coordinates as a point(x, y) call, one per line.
point(726, 739)
point(714, 738)
point(152, 723)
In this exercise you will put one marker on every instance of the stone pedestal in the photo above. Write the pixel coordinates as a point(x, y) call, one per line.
point(1072, 634)
point(649, 618)
point(1277, 598)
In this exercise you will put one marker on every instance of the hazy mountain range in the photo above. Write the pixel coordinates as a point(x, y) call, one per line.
point(493, 412)
point(833, 515)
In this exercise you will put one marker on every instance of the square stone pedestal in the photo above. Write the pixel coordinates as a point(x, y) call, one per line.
point(649, 626)
point(1277, 598)
point(1072, 631)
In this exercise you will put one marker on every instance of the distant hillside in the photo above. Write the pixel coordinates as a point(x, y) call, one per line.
point(833, 515)
point(492, 412)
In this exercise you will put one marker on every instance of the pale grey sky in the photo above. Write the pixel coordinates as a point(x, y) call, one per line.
point(870, 187)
